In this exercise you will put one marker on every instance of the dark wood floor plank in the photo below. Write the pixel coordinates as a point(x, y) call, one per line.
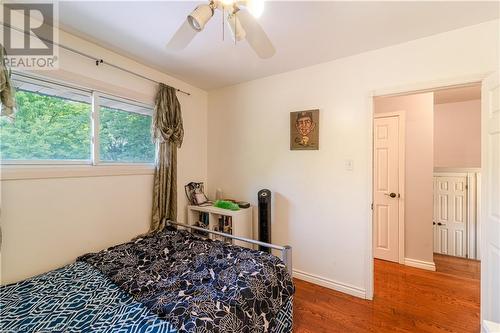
point(406, 300)
point(458, 266)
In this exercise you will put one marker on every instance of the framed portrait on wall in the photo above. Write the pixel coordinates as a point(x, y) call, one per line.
point(304, 130)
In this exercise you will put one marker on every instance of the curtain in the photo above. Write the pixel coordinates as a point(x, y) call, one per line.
point(168, 133)
point(6, 90)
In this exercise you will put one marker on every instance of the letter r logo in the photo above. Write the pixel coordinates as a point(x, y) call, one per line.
point(36, 20)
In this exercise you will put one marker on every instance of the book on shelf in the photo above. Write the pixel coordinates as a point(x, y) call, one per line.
point(203, 222)
point(224, 225)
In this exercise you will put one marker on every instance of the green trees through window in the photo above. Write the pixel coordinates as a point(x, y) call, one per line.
point(46, 128)
point(125, 136)
point(57, 128)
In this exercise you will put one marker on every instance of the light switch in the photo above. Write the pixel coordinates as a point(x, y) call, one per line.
point(349, 165)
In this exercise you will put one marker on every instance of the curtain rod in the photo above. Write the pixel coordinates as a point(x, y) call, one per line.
point(98, 61)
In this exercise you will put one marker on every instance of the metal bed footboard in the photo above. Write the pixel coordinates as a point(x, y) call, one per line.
point(286, 250)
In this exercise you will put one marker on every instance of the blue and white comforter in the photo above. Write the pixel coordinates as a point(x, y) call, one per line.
point(73, 299)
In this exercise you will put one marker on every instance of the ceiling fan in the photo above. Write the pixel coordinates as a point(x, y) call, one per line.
point(241, 18)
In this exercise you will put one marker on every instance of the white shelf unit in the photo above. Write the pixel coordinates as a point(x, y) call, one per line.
point(241, 220)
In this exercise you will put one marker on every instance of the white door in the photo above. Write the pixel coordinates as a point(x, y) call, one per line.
point(450, 216)
point(490, 199)
point(386, 188)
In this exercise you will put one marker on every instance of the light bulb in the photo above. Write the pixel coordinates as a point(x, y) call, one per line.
point(255, 7)
point(200, 16)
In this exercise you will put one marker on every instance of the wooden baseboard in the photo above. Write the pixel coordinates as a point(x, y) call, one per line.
point(331, 284)
point(427, 265)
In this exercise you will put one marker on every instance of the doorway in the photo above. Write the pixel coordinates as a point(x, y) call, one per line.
point(426, 163)
point(410, 167)
point(487, 191)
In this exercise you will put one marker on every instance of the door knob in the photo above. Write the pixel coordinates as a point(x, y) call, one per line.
point(439, 223)
point(434, 223)
point(392, 194)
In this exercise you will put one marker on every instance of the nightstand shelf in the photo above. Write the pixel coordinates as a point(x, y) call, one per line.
point(241, 220)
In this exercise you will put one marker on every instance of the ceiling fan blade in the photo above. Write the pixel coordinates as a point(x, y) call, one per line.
point(182, 37)
point(255, 35)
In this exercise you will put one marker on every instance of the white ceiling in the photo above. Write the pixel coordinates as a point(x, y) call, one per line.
point(304, 33)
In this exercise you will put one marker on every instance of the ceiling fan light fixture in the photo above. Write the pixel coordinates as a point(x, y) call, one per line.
point(200, 16)
point(236, 28)
point(242, 24)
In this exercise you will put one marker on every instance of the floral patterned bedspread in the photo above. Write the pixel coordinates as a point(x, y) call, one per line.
point(199, 285)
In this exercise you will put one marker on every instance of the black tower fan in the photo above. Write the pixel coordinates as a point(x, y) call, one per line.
point(264, 197)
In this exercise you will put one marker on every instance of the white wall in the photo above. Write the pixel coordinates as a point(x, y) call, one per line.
point(457, 135)
point(46, 223)
point(417, 197)
point(320, 208)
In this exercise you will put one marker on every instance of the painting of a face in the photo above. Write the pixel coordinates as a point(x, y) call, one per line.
point(305, 125)
point(304, 130)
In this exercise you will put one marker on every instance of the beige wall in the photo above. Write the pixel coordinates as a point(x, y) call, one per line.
point(46, 223)
point(321, 208)
point(419, 114)
point(457, 135)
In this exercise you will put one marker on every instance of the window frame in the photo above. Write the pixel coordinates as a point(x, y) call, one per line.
point(94, 158)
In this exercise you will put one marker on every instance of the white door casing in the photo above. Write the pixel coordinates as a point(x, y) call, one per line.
point(387, 213)
point(490, 203)
point(450, 215)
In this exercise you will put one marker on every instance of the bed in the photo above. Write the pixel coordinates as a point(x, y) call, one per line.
point(169, 282)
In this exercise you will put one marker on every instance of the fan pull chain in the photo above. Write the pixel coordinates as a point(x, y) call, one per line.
point(235, 28)
point(223, 18)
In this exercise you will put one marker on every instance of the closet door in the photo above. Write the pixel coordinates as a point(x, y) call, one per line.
point(450, 216)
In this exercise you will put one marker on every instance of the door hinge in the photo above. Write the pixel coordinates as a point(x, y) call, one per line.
point(372, 206)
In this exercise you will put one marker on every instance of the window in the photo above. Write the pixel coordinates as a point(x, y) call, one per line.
point(124, 132)
point(53, 125)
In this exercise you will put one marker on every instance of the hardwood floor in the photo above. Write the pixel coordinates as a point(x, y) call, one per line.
point(457, 266)
point(406, 300)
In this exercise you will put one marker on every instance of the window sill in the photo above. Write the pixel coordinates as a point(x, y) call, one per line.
point(17, 172)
